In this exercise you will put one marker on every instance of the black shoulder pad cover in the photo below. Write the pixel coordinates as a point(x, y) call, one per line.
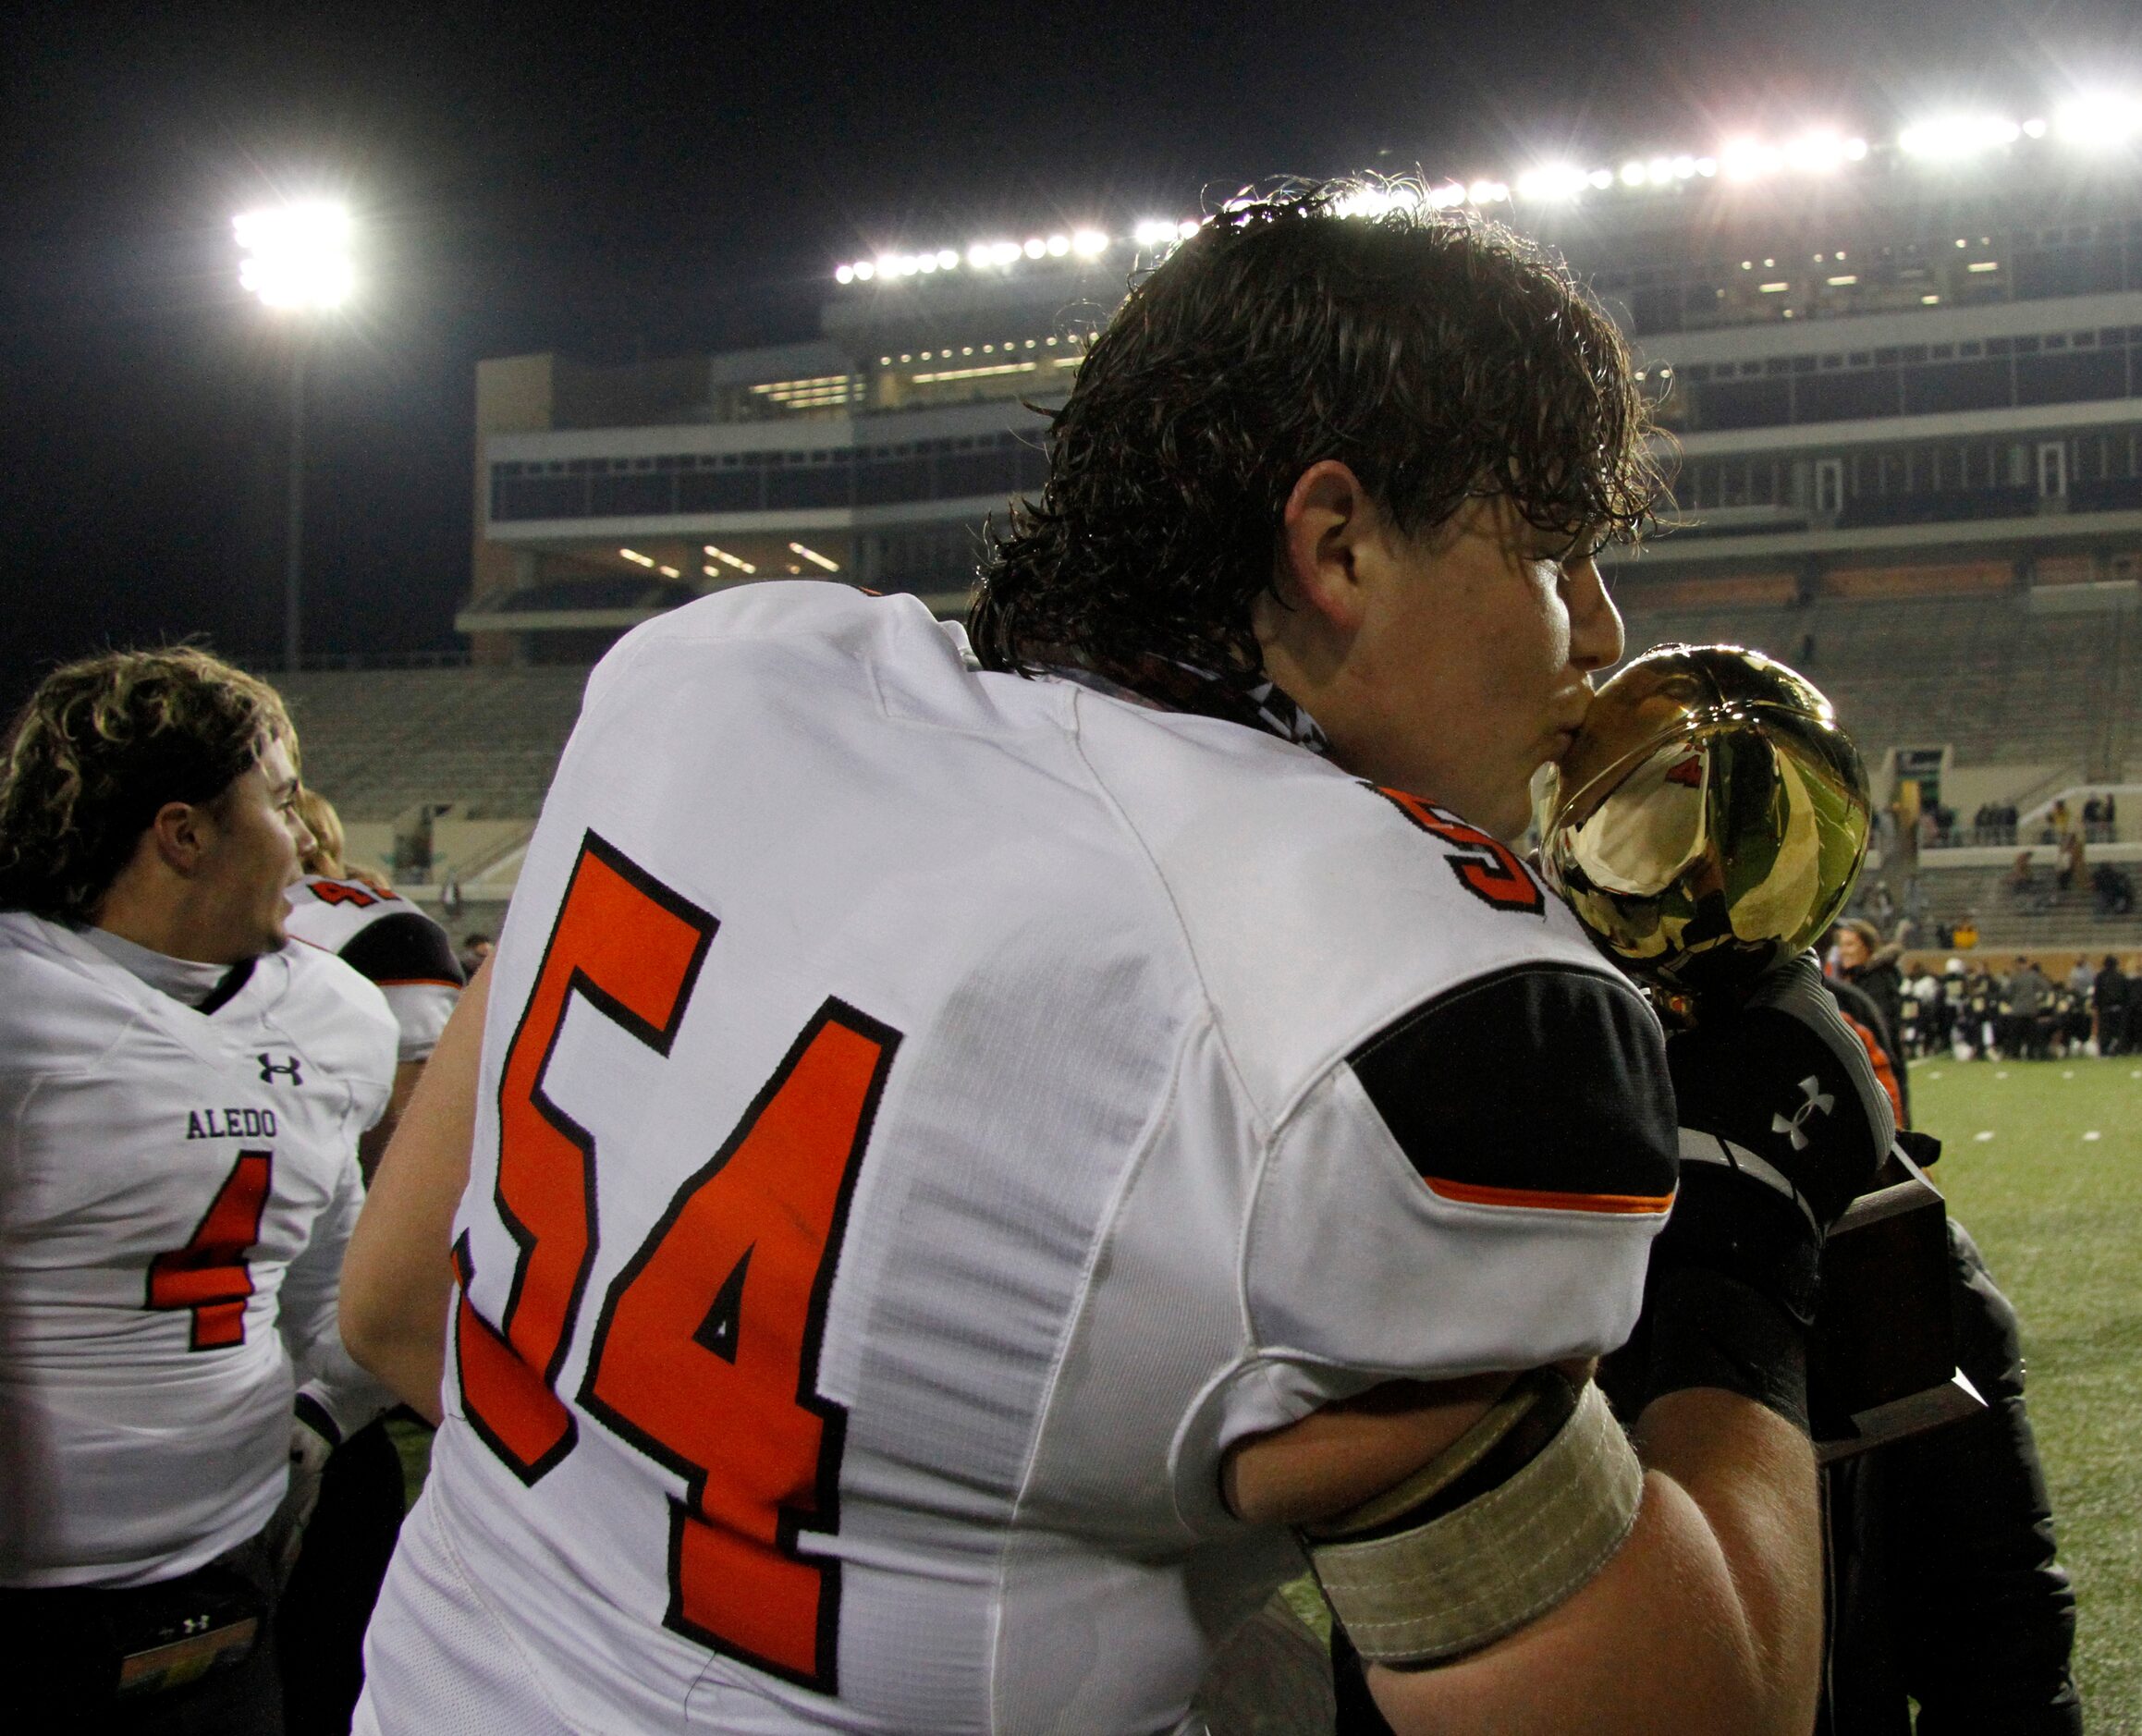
point(405, 948)
point(1540, 1085)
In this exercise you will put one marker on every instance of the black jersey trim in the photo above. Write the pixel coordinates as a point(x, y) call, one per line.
point(227, 991)
point(1540, 1085)
point(407, 947)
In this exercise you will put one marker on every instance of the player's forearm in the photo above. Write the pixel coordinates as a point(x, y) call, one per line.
point(1708, 1619)
point(1750, 1474)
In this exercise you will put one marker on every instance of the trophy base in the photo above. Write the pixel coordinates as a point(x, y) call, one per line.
point(1882, 1359)
point(1914, 1413)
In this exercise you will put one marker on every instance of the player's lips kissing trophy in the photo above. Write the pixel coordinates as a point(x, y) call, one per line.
point(1707, 823)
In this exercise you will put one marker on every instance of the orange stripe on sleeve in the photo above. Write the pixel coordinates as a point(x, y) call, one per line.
point(1544, 1199)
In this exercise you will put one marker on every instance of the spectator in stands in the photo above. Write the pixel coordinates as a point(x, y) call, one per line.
point(2093, 818)
point(1965, 936)
point(1869, 966)
point(2131, 1042)
point(2022, 879)
point(2114, 890)
point(1881, 905)
point(2108, 992)
point(2071, 860)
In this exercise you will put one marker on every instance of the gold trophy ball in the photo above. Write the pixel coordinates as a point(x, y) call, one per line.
point(1709, 820)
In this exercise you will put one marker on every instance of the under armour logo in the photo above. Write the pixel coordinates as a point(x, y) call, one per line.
point(270, 1067)
point(1818, 1102)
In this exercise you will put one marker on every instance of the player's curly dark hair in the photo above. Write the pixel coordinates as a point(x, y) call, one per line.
point(1438, 355)
point(100, 747)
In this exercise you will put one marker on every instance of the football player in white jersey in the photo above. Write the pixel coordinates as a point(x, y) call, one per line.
point(363, 921)
point(329, 1598)
point(968, 1163)
point(180, 1101)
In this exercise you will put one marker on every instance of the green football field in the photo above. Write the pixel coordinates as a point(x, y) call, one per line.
point(2042, 1161)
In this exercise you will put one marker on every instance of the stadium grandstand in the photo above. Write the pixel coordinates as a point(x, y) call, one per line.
point(1904, 375)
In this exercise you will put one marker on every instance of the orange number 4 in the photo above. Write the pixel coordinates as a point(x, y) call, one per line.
point(705, 1353)
point(209, 1275)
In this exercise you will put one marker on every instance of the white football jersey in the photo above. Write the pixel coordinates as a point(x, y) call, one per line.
point(926, 1117)
point(176, 1187)
point(391, 943)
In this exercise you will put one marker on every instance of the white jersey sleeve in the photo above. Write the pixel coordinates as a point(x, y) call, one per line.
point(1464, 1126)
point(164, 1172)
point(389, 942)
point(349, 1395)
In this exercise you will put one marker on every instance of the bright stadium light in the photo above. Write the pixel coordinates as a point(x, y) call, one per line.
point(1821, 151)
point(296, 255)
point(814, 557)
point(1552, 183)
point(844, 274)
point(1089, 243)
point(1747, 159)
point(1036, 247)
point(1954, 138)
point(1154, 232)
point(2101, 122)
point(297, 260)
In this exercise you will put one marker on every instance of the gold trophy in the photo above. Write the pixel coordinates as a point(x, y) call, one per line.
point(1711, 819)
point(1708, 821)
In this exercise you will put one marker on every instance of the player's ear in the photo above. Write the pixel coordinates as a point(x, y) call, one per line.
point(180, 834)
point(1325, 530)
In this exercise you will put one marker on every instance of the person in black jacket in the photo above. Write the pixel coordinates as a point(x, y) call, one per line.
point(1864, 962)
point(2109, 991)
point(1943, 1583)
point(1943, 1586)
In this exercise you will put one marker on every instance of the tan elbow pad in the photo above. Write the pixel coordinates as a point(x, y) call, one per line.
point(1504, 1524)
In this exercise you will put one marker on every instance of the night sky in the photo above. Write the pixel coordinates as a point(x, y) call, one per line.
point(617, 180)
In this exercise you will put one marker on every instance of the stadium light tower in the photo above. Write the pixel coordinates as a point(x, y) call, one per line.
point(297, 261)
